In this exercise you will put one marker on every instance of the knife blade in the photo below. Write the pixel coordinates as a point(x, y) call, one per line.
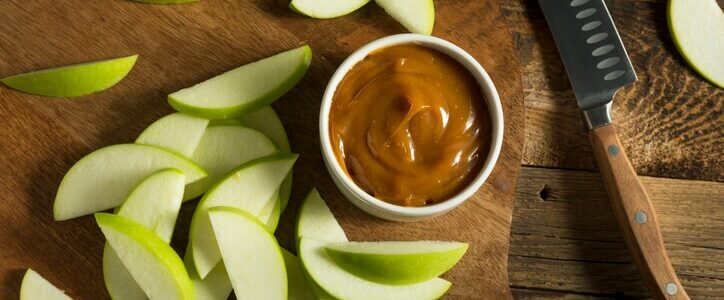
point(592, 52)
point(598, 66)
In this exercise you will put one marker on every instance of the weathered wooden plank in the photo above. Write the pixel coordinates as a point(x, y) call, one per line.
point(670, 120)
point(565, 237)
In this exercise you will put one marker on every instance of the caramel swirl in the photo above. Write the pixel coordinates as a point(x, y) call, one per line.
point(409, 125)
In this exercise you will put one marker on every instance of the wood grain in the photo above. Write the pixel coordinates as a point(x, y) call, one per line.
point(179, 45)
point(566, 244)
point(670, 120)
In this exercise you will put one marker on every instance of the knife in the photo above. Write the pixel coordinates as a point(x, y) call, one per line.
point(598, 65)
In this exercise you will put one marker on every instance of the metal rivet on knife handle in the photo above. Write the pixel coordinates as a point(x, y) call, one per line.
point(613, 150)
point(671, 289)
point(641, 217)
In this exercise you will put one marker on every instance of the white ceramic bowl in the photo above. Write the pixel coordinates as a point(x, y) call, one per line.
point(380, 208)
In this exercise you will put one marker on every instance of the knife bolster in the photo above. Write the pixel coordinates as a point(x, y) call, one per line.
point(598, 116)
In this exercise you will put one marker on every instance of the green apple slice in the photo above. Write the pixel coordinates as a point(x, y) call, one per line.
point(223, 148)
point(215, 286)
point(271, 218)
point(267, 121)
point(251, 254)
point(103, 179)
point(397, 262)
point(177, 132)
point(36, 287)
point(249, 187)
point(74, 80)
point(298, 289)
point(315, 220)
point(326, 9)
point(418, 16)
point(246, 88)
point(154, 203)
point(697, 28)
point(152, 263)
point(341, 284)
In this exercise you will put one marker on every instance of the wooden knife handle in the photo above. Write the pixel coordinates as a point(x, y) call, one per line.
point(635, 215)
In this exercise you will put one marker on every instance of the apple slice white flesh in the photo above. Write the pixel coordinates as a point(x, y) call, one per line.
point(153, 264)
point(223, 148)
point(36, 287)
point(298, 289)
point(215, 286)
point(418, 16)
point(249, 187)
point(74, 80)
point(397, 262)
point(271, 219)
point(251, 254)
point(103, 179)
point(697, 28)
point(177, 132)
point(341, 284)
point(267, 122)
point(154, 203)
point(315, 220)
point(246, 88)
point(326, 9)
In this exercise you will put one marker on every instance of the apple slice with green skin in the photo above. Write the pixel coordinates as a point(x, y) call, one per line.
point(258, 273)
point(246, 88)
point(153, 264)
point(154, 203)
point(177, 132)
point(103, 179)
point(298, 289)
point(36, 287)
point(215, 286)
point(697, 28)
point(341, 284)
point(326, 9)
point(315, 220)
point(249, 187)
point(74, 80)
point(397, 263)
point(271, 218)
point(267, 121)
point(223, 148)
point(317, 228)
point(418, 16)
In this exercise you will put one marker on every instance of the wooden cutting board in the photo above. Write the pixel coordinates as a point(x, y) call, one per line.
point(179, 45)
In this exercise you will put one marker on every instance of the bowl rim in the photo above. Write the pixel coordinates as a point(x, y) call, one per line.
point(492, 100)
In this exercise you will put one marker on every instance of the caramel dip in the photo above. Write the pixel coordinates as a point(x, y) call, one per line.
point(409, 125)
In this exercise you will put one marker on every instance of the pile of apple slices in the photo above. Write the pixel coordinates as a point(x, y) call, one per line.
point(339, 269)
point(225, 143)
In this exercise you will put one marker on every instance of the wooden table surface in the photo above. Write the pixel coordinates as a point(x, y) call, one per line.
point(565, 243)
